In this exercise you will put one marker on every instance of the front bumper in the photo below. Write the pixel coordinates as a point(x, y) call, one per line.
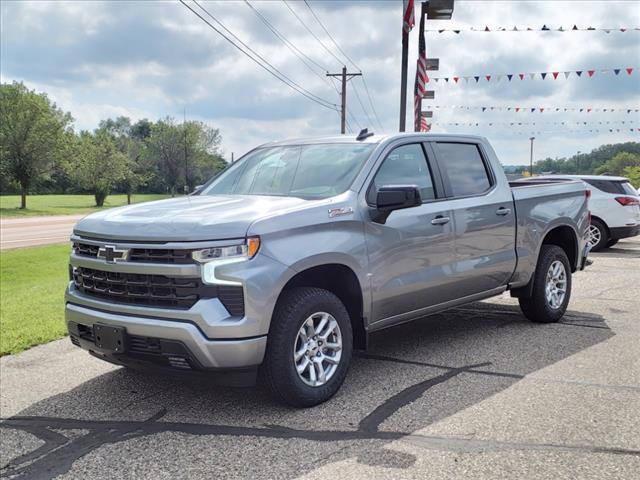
point(157, 341)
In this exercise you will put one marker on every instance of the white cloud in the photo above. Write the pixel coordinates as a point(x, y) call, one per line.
point(152, 59)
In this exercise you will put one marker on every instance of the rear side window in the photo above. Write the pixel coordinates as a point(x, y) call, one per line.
point(405, 165)
point(611, 186)
point(463, 165)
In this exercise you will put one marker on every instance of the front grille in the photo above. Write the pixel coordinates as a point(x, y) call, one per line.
point(158, 255)
point(142, 289)
point(155, 290)
point(143, 255)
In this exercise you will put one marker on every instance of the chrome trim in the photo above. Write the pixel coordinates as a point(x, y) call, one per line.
point(196, 245)
point(170, 270)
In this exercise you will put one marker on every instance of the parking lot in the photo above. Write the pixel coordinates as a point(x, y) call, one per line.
point(477, 391)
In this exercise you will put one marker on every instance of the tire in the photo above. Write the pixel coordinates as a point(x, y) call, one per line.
point(612, 242)
point(538, 308)
point(281, 376)
point(599, 229)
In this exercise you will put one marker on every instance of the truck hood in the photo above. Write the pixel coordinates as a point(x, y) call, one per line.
point(192, 218)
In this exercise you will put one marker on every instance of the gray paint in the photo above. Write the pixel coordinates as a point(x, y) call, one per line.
point(406, 268)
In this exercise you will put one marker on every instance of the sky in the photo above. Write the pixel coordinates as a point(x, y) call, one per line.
point(152, 59)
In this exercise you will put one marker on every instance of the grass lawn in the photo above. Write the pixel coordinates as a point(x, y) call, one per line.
point(32, 283)
point(64, 204)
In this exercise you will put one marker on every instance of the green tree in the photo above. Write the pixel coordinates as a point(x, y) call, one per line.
point(97, 165)
point(32, 134)
point(633, 174)
point(617, 164)
point(183, 154)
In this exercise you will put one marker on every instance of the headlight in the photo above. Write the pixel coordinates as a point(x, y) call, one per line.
point(213, 257)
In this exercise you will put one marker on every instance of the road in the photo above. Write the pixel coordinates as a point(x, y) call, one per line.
point(31, 231)
point(476, 392)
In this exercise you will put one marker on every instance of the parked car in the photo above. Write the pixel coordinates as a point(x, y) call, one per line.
point(297, 252)
point(614, 205)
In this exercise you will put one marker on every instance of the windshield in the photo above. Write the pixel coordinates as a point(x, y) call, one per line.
point(306, 171)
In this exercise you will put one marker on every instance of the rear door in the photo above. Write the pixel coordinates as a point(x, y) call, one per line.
point(483, 214)
point(410, 254)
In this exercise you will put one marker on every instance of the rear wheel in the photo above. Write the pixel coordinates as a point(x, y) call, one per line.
point(598, 235)
point(551, 287)
point(309, 347)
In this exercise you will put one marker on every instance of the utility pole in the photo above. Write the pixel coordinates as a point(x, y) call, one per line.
point(231, 157)
point(345, 77)
point(578, 163)
point(531, 157)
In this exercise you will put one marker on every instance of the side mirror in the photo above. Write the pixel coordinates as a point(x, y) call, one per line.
point(196, 189)
point(394, 197)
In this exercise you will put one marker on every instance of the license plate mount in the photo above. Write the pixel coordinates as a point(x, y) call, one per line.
point(109, 338)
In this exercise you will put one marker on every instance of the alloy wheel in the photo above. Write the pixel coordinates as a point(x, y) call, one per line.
point(317, 349)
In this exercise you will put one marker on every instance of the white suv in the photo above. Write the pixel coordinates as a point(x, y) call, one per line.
point(614, 205)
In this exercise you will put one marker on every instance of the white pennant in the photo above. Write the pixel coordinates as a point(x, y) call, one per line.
point(532, 76)
point(566, 74)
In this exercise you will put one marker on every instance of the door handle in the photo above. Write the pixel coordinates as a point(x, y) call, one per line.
point(503, 211)
point(440, 220)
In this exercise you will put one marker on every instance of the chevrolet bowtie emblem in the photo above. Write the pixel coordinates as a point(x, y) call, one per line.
point(111, 254)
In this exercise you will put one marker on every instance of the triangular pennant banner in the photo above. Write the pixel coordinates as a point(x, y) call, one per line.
point(566, 74)
point(488, 77)
point(579, 72)
point(591, 72)
point(521, 75)
point(509, 76)
point(629, 70)
point(532, 76)
point(476, 78)
point(616, 71)
point(555, 74)
point(484, 108)
point(543, 75)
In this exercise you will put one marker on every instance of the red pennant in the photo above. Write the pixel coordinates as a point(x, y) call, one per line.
point(517, 109)
point(588, 110)
point(591, 72)
point(623, 29)
point(555, 75)
point(488, 77)
point(629, 70)
point(541, 109)
point(455, 79)
point(521, 75)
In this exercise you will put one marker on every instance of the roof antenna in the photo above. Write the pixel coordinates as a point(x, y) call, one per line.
point(364, 134)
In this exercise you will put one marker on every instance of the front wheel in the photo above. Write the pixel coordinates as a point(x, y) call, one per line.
point(551, 287)
point(309, 347)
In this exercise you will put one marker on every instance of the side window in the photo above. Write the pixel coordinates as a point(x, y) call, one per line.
point(463, 165)
point(405, 165)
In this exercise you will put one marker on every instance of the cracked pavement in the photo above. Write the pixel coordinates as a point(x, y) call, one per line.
point(476, 391)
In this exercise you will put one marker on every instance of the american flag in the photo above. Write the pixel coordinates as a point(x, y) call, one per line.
point(408, 18)
point(421, 80)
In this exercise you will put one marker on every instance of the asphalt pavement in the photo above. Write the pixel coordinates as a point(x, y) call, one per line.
point(475, 392)
point(32, 231)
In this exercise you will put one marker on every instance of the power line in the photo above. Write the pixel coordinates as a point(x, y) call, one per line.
point(295, 50)
point(352, 63)
point(271, 69)
point(375, 114)
point(311, 32)
point(287, 43)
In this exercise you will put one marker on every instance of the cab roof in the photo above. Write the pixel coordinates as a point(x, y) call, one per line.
point(351, 138)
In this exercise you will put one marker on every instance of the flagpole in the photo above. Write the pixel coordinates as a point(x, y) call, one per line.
point(403, 80)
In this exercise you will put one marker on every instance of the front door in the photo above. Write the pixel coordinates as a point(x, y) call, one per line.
point(410, 254)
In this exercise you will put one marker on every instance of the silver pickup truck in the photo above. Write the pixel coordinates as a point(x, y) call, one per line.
point(286, 261)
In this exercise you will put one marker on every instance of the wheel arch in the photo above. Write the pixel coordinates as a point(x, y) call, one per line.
point(342, 281)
